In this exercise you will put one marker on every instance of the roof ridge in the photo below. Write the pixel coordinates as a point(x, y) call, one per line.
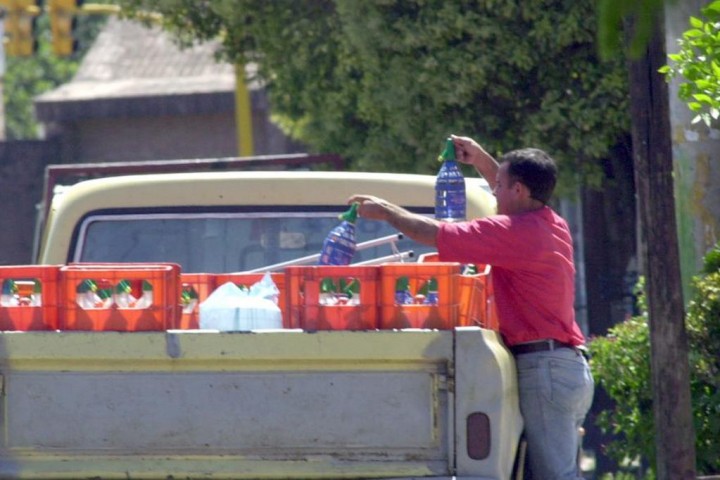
point(126, 49)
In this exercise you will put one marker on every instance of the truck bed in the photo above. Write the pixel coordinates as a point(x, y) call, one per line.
point(265, 404)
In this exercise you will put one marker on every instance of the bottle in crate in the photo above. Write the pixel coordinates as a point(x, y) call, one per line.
point(9, 293)
point(24, 291)
point(85, 295)
point(328, 292)
point(419, 295)
point(403, 295)
point(28, 297)
point(123, 295)
point(332, 297)
point(450, 201)
point(104, 293)
point(155, 286)
point(36, 295)
point(188, 298)
point(146, 298)
point(352, 290)
point(339, 246)
point(431, 296)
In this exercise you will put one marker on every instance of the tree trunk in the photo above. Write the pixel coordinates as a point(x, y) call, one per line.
point(652, 151)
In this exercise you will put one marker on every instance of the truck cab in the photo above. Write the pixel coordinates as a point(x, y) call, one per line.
point(288, 403)
point(228, 222)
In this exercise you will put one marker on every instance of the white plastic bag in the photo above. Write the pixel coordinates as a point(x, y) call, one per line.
point(230, 308)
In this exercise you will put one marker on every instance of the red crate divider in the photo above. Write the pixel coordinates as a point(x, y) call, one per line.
point(442, 315)
point(24, 316)
point(248, 279)
point(203, 285)
point(477, 307)
point(162, 314)
point(309, 312)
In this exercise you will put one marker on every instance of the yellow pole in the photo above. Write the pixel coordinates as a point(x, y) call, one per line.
point(243, 114)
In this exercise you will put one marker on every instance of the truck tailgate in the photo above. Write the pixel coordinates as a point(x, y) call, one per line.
point(280, 404)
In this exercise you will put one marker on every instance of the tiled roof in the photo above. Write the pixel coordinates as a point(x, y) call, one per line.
point(128, 50)
point(131, 60)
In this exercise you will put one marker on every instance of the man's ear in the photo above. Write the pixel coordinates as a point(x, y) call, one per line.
point(521, 189)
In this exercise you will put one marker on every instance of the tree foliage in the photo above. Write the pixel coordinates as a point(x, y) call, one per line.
point(613, 16)
point(698, 63)
point(383, 82)
point(27, 77)
point(621, 365)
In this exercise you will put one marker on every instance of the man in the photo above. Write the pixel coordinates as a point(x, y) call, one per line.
point(530, 249)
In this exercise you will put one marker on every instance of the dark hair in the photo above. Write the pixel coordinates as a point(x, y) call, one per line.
point(533, 168)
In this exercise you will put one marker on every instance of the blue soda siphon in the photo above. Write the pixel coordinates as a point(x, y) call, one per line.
point(403, 295)
point(432, 292)
point(450, 202)
point(339, 246)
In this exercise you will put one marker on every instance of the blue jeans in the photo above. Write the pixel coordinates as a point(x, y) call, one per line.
point(556, 391)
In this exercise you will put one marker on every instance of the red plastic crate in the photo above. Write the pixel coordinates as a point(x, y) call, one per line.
point(307, 310)
point(442, 315)
point(18, 312)
point(163, 312)
point(476, 301)
point(202, 284)
point(248, 279)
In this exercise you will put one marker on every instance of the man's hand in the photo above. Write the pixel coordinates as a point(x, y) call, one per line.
point(420, 228)
point(469, 152)
point(371, 207)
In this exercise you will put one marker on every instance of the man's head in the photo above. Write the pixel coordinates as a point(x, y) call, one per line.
point(525, 181)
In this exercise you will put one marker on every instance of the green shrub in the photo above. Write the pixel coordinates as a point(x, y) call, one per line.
point(703, 329)
point(621, 366)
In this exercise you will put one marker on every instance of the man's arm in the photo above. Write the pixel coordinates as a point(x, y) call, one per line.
point(420, 228)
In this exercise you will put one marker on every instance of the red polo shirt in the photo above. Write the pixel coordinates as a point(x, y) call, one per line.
point(533, 274)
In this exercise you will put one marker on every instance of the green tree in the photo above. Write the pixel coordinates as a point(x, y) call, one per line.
point(27, 77)
point(621, 365)
point(384, 82)
point(698, 64)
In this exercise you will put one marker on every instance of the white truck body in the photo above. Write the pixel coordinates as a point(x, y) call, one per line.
point(266, 404)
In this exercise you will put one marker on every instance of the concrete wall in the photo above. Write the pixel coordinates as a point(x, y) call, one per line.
point(153, 138)
point(158, 128)
point(696, 152)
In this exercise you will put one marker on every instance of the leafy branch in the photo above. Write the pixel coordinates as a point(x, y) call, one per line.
point(698, 63)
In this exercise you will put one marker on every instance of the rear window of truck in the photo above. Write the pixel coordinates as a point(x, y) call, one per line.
point(222, 242)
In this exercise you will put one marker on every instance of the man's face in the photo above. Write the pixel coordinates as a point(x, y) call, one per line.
point(507, 191)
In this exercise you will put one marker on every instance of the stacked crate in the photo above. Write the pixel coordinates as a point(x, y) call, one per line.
point(109, 296)
point(29, 297)
point(87, 307)
point(332, 297)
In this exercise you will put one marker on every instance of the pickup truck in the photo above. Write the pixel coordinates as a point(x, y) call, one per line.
point(266, 404)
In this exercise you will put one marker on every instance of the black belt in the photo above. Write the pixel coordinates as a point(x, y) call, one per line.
point(543, 346)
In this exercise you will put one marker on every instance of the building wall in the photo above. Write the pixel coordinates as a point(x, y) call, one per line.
point(153, 138)
point(137, 131)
